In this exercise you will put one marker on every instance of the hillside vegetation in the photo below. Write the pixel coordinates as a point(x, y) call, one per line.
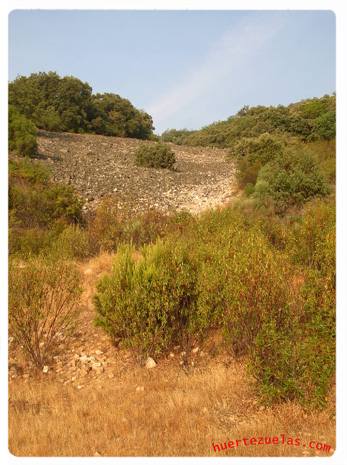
point(308, 120)
point(259, 271)
point(57, 103)
point(284, 155)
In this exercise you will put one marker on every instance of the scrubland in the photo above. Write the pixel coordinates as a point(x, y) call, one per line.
point(236, 305)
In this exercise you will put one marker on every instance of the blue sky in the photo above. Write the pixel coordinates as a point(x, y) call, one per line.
point(186, 68)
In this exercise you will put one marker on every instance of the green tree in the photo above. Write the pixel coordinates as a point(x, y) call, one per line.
point(66, 103)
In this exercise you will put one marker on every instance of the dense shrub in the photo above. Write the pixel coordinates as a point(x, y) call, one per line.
point(241, 282)
point(176, 136)
point(324, 154)
point(37, 202)
point(307, 120)
point(297, 360)
point(43, 299)
point(273, 306)
point(252, 154)
point(325, 126)
point(155, 156)
point(105, 226)
point(29, 242)
point(39, 211)
point(72, 243)
point(22, 134)
point(306, 238)
point(259, 290)
point(147, 302)
point(291, 180)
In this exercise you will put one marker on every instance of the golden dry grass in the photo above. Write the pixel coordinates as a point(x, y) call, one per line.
point(166, 411)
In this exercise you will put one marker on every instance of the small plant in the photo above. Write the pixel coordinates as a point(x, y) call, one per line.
point(43, 300)
point(155, 156)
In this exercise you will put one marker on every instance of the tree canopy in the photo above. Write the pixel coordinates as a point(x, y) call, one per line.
point(57, 103)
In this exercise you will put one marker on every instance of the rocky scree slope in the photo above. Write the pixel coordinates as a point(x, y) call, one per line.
point(99, 166)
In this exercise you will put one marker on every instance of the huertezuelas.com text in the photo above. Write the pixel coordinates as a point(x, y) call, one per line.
point(279, 440)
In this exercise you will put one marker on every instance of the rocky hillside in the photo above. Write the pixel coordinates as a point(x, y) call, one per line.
point(98, 166)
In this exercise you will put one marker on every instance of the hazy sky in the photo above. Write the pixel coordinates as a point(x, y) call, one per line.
point(187, 69)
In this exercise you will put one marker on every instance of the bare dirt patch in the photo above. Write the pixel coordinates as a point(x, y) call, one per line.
point(98, 166)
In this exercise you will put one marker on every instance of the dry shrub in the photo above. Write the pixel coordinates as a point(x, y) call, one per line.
point(43, 299)
point(105, 227)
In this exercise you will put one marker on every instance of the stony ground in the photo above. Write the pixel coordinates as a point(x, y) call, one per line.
point(87, 357)
point(98, 166)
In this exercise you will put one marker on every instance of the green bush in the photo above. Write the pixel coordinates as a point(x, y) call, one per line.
point(72, 243)
point(306, 120)
point(325, 126)
point(147, 303)
point(155, 156)
point(241, 282)
point(43, 302)
point(29, 242)
point(22, 134)
point(252, 154)
point(291, 180)
point(324, 154)
point(175, 136)
point(297, 359)
point(37, 202)
point(275, 306)
point(306, 239)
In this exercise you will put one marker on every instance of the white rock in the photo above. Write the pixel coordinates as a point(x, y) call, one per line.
point(195, 350)
point(150, 363)
point(45, 369)
point(140, 388)
point(171, 355)
point(96, 364)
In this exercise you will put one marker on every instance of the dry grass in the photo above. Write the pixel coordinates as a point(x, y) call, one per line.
point(176, 414)
point(166, 411)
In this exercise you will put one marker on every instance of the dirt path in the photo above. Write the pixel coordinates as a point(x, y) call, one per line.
point(98, 166)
